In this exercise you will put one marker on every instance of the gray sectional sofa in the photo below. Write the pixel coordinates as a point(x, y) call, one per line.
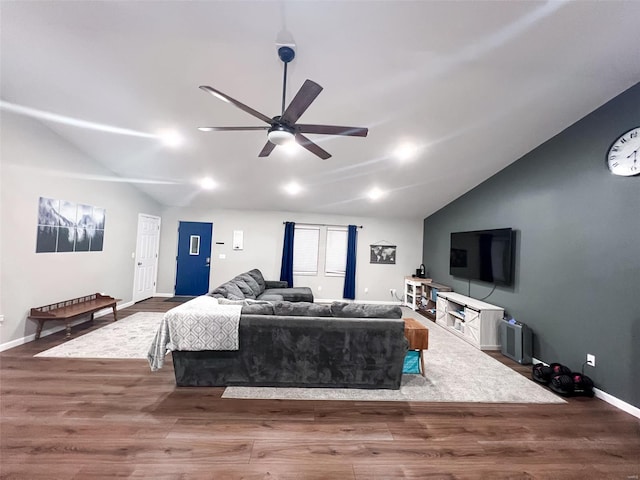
point(342, 345)
point(252, 285)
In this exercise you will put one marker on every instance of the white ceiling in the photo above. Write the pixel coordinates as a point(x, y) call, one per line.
point(475, 84)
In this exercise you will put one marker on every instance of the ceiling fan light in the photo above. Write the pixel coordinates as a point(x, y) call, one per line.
point(278, 135)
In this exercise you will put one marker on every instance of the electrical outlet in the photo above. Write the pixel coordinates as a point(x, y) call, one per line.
point(591, 360)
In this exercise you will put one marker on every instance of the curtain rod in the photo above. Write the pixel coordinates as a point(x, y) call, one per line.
point(323, 224)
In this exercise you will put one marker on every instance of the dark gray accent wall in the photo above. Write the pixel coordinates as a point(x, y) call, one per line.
point(577, 260)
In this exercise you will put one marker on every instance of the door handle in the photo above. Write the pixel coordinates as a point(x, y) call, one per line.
point(139, 264)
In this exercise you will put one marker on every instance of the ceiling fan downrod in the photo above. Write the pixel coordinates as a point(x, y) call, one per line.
point(286, 54)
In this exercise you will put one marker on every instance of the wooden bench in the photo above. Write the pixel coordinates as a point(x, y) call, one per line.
point(71, 309)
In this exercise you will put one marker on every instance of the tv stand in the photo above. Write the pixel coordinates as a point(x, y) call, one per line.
point(472, 320)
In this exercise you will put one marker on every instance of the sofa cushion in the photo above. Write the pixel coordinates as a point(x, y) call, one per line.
point(301, 309)
point(265, 308)
point(246, 290)
point(294, 294)
point(257, 276)
point(249, 280)
point(362, 310)
point(271, 298)
point(229, 290)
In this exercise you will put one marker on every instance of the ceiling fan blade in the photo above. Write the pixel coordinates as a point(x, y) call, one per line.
point(307, 94)
point(333, 130)
point(312, 147)
point(240, 105)
point(267, 149)
point(227, 129)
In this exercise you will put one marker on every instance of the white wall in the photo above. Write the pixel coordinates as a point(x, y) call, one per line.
point(36, 162)
point(263, 237)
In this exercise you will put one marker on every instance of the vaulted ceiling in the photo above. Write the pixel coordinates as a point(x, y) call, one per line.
point(471, 85)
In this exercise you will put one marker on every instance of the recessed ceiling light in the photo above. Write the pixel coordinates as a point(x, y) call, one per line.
point(405, 151)
point(293, 188)
point(170, 138)
point(207, 183)
point(375, 193)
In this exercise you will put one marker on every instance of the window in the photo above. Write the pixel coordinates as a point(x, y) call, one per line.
point(336, 252)
point(305, 250)
point(308, 247)
point(194, 245)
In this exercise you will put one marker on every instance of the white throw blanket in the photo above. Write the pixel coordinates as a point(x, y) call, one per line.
point(199, 324)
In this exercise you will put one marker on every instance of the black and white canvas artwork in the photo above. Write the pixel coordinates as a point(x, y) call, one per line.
point(69, 227)
point(383, 254)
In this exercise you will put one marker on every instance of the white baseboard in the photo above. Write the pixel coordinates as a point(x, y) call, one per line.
point(616, 402)
point(610, 399)
point(169, 295)
point(50, 331)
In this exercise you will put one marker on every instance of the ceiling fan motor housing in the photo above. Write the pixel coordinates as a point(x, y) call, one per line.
point(286, 53)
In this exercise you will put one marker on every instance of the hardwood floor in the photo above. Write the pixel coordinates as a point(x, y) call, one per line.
point(98, 419)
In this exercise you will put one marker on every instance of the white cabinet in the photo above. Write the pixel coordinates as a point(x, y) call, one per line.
point(413, 292)
point(473, 320)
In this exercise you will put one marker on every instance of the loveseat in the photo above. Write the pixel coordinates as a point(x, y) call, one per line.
point(341, 345)
point(252, 285)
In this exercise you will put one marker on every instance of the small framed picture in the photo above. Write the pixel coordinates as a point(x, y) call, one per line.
point(383, 254)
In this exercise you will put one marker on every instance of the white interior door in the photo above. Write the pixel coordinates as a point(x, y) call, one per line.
point(146, 268)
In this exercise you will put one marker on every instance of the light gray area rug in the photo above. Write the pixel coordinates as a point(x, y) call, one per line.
point(130, 337)
point(455, 372)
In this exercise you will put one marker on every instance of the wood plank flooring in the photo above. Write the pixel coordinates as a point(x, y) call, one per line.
point(102, 419)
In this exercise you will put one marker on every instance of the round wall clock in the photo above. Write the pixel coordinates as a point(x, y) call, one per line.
point(623, 157)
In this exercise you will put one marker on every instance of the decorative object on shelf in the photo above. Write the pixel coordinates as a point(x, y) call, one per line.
point(421, 271)
point(69, 227)
point(383, 254)
point(623, 156)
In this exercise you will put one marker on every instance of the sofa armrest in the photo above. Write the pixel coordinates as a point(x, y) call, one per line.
point(276, 284)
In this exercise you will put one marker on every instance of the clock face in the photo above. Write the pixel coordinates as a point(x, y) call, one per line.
point(623, 157)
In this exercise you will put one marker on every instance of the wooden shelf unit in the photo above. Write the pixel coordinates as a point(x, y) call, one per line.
point(418, 295)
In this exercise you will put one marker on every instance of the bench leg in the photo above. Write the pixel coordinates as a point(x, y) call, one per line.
point(39, 329)
point(422, 364)
point(115, 315)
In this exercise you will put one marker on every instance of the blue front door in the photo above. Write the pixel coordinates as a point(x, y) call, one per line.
point(194, 258)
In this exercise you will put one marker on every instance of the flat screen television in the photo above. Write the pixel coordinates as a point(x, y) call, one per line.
point(484, 255)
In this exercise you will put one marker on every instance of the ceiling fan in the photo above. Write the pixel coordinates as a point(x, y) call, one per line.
point(283, 128)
